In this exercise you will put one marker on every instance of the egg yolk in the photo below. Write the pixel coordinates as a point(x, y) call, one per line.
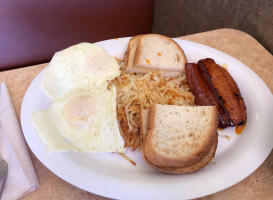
point(79, 110)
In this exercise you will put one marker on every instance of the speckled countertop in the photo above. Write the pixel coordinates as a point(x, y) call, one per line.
point(259, 185)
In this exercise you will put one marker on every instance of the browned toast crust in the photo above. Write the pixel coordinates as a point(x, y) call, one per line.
point(189, 169)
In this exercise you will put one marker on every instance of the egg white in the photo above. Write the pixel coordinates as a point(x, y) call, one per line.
point(81, 65)
point(71, 126)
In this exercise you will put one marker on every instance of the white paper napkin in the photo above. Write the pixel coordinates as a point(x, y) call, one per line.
point(21, 178)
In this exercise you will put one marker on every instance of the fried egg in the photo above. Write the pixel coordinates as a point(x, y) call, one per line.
point(78, 66)
point(82, 116)
point(84, 121)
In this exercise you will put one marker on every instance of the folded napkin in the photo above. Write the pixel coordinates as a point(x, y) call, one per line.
point(21, 178)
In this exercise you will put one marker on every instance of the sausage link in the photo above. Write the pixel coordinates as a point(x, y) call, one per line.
point(227, 90)
point(204, 92)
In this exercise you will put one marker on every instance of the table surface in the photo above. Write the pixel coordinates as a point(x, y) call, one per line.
point(259, 185)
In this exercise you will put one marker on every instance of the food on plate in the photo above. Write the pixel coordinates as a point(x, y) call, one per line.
point(227, 90)
point(78, 66)
point(153, 71)
point(136, 91)
point(103, 104)
point(227, 137)
point(174, 141)
point(82, 116)
point(204, 92)
point(83, 121)
point(211, 84)
point(154, 53)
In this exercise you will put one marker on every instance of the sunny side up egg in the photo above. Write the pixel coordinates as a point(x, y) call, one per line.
point(84, 121)
point(80, 65)
point(82, 116)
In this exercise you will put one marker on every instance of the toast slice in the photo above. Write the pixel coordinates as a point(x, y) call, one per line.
point(154, 53)
point(188, 169)
point(179, 139)
point(129, 56)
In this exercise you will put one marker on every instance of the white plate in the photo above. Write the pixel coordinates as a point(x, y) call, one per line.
point(112, 176)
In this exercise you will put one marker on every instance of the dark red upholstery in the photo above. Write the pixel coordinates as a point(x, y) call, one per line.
point(32, 30)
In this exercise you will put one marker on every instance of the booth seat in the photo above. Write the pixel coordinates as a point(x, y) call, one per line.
point(31, 31)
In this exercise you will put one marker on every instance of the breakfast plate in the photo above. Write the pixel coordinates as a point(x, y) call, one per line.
point(110, 175)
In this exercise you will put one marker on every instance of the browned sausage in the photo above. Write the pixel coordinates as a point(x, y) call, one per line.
point(227, 90)
point(201, 87)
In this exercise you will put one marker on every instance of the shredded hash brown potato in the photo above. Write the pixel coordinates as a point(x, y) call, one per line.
point(136, 91)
